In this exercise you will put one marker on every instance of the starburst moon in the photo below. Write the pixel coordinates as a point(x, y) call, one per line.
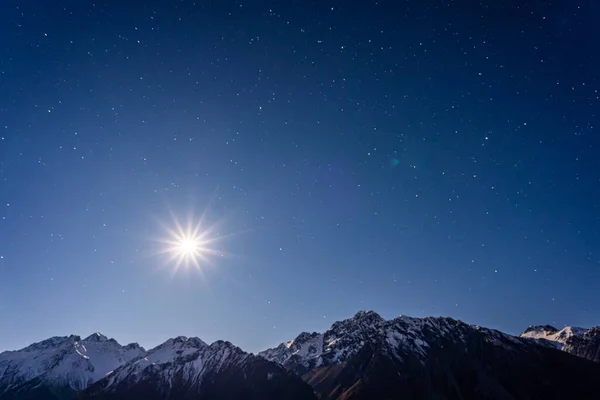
point(190, 244)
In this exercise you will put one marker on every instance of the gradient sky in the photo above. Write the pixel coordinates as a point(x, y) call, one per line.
point(411, 157)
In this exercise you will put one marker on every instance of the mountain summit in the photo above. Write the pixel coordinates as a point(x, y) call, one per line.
point(66, 364)
point(581, 342)
point(96, 337)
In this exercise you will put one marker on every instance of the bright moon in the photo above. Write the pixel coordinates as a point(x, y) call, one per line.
point(189, 245)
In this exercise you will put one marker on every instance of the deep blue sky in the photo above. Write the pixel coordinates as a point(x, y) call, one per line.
point(411, 157)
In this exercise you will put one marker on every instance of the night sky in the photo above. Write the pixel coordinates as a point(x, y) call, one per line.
point(411, 157)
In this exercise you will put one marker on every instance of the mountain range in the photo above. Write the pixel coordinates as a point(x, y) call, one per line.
point(363, 357)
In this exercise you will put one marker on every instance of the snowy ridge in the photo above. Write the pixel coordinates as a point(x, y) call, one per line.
point(65, 361)
point(179, 361)
point(398, 338)
point(581, 342)
point(557, 337)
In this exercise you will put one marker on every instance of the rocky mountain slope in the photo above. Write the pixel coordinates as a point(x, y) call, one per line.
point(367, 357)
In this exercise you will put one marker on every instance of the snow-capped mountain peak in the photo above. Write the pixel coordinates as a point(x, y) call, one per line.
point(399, 338)
point(133, 347)
point(184, 358)
point(535, 330)
point(52, 342)
point(96, 337)
point(65, 361)
point(172, 350)
point(367, 317)
point(551, 334)
point(581, 342)
point(182, 341)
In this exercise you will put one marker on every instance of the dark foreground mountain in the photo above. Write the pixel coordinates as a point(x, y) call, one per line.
point(364, 357)
point(367, 357)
